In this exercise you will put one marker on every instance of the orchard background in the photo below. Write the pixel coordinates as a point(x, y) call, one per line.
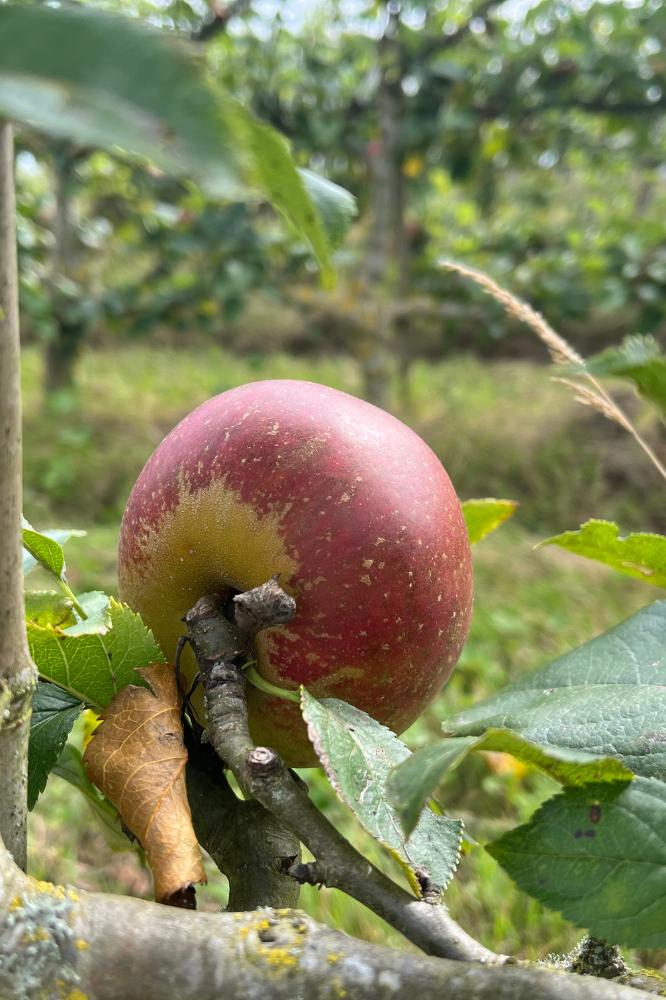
point(524, 139)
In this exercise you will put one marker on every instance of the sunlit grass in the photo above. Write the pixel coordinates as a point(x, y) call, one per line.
point(502, 429)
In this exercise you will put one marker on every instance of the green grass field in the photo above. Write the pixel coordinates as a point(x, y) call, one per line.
point(83, 454)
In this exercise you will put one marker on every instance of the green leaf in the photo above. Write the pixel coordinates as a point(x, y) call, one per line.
point(357, 754)
point(93, 668)
point(97, 608)
point(54, 712)
point(413, 782)
point(641, 554)
point(336, 206)
point(141, 90)
point(597, 854)
point(70, 767)
point(45, 551)
point(484, 516)
point(278, 177)
point(607, 697)
point(45, 547)
point(639, 359)
point(147, 92)
point(48, 608)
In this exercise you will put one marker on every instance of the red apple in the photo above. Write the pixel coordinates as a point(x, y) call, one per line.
point(349, 506)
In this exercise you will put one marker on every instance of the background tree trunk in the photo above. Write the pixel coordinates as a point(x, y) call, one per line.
point(386, 260)
point(67, 291)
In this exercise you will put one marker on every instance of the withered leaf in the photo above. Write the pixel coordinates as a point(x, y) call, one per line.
point(137, 758)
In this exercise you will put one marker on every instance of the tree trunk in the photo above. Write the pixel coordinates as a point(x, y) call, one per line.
point(386, 260)
point(62, 353)
point(17, 675)
point(71, 326)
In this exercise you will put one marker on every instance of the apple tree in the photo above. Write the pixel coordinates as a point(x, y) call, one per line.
point(592, 720)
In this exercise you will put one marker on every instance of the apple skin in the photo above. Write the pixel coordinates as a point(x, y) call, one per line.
point(355, 513)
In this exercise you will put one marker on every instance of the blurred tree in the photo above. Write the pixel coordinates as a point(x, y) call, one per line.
point(526, 140)
point(117, 242)
point(518, 117)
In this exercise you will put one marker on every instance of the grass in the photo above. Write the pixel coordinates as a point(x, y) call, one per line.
point(501, 429)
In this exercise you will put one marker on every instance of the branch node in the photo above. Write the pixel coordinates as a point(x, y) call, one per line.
point(310, 873)
point(262, 761)
point(263, 607)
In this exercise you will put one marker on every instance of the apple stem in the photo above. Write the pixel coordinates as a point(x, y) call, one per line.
point(262, 684)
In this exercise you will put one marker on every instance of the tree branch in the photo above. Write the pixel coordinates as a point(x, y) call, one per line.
point(219, 18)
point(247, 843)
point(17, 673)
point(445, 42)
point(221, 648)
point(57, 942)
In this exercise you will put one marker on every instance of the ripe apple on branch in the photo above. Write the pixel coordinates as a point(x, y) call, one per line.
point(355, 513)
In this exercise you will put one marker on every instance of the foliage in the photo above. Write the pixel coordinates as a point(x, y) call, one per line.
point(641, 555)
point(596, 854)
point(88, 648)
point(411, 785)
point(357, 754)
point(54, 712)
point(642, 361)
point(604, 697)
point(484, 516)
point(115, 97)
point(511, 136)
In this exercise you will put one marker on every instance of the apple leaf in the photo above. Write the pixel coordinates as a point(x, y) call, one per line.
point(137, 758)
point(640, 359)
point(414, 781)
point(597, 854)
point(130, 87)
point(49, 609)
point(484, 516)
point(44, 548)
point(336, 206)
point(69, 767)
point(357, 754)
point(641, 554)
point(147, 92)
point(54, 712)
point(94, 667)
point(606, 697)
point(288, 190)
point(97, 608)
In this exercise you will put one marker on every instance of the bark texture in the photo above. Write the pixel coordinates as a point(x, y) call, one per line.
point(247, 843)
point(57, 942)
point(17, 675)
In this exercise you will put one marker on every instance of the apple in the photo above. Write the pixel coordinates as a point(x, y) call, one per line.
point(355, 513)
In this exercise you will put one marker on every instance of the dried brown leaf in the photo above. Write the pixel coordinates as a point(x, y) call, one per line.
point(137, 758)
